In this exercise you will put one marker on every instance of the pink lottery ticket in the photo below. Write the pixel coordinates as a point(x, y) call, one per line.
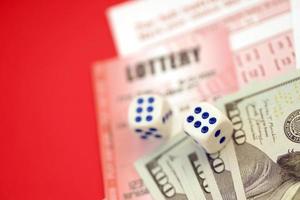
point(253, 25)
point(296, 28)
point(138, 24)
point(198, 67)
point(265, 59)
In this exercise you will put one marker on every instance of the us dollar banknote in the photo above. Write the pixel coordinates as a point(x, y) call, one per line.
point(181, 174)
point(223, 175)
point(187, 184)
point(194, 184)
point(194, 175)
point(160, 180)
point(159, 174)
point(213, 170)
point(265, 150)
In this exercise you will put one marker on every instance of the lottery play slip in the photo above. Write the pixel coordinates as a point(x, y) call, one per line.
point(202, 102)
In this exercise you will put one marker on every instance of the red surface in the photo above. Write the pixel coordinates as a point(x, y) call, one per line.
point(48, 144)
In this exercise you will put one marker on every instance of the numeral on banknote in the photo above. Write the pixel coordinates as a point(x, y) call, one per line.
point(239, 136)
point(216, 162)
point(196, 164)
point(162, 181)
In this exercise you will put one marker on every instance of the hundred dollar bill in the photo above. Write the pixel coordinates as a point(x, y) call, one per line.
point(186, 182)
point(197, 172)
point(161, 181)
point(194, 174)
point(166, 162)
point(207, 174)
point(193, 67)
point(216, 169)
point(265, 151)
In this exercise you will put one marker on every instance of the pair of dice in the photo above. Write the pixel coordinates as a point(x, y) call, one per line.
point(152, 116)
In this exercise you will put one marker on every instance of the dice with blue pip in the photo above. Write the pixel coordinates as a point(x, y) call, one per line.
point(208, 127)
point(150, 116)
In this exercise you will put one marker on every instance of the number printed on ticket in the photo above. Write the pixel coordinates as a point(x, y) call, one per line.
point(194, 67)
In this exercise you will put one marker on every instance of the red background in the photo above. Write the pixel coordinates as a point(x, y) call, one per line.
point(48, 144)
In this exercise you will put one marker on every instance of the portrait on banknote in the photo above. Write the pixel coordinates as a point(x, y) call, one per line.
point(265, 141)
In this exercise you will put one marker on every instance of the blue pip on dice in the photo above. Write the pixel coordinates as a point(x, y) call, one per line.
point(208, 127)
point(151, 116)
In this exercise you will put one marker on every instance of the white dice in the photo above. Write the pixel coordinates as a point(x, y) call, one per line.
point(150, 116)
point(207, 126)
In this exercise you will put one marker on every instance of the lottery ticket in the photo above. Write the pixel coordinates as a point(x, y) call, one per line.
point(198, 67)
point(264, 51)
point(138, 24)
point(261, 33)
point(296, 27)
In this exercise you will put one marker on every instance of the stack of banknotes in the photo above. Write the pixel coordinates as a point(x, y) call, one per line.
point(240, 55)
